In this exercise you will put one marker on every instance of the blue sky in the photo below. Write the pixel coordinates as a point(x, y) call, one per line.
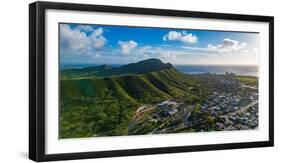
point(100, 44)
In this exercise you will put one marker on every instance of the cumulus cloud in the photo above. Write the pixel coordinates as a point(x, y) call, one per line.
point(127, 46)
point(86, 28)
point(180, 36)
point(228, 46)
point(98, 39)
point(77, 41)
point(97, 32)
point(73, 39)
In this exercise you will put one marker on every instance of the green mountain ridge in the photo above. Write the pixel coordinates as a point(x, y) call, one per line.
point(145, 66)
point(93, 104)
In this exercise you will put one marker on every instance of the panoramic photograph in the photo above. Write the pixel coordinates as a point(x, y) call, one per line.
point(122, 80)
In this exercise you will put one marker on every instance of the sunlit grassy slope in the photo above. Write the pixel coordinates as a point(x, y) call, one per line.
point(104, 106)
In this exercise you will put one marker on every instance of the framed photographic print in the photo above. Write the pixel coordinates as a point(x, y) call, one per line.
point(118, 81)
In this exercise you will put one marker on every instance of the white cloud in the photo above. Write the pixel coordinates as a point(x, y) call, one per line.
point(127, 46)
point(168, 55)
point(73, 39)
point(97, 32)
point(180, 36)
point(98, 39)
point(227, 46)
point(86, 28)
point(146, 47)
point(165, 53)
point(76, 40)
point(195, 48)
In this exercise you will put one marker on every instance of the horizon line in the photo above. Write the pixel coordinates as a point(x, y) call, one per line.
point(166, 63)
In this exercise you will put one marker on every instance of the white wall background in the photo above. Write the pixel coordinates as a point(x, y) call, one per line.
point(14, 79)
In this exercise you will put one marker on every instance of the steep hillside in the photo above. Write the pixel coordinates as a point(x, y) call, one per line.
point(96, 106)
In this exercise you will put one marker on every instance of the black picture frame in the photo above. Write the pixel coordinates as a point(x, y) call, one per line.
point(37, 80)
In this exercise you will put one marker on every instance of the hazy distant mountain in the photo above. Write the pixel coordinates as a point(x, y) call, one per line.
point(145, 66)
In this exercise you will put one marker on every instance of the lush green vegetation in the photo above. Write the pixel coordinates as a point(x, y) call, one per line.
point(201, 120)
point(250, 80)
point(104, 106)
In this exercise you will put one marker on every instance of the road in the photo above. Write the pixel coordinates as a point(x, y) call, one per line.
point(183, 110)
point(241, 110)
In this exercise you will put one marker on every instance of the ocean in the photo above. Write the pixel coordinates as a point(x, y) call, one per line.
point(190, 69)
point(218, 69)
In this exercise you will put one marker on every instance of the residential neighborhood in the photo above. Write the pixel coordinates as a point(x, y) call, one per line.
point(232, 105)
